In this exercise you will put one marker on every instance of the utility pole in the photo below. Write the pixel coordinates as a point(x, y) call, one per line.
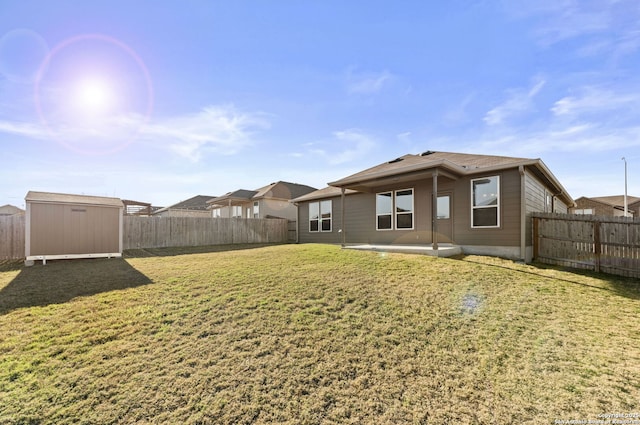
point(625, 186)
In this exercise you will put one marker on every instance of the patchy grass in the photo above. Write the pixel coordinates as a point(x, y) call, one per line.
point(308, 334)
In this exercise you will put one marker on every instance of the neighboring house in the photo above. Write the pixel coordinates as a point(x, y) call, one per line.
point(612, 206)
point(192, 207)
point(271, 201)
point(481, 203)
point(8, 210)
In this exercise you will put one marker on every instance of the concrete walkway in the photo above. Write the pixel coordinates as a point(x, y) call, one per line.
point(444, 250)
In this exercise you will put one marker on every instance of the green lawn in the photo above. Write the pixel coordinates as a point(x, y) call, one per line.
point(308, 334)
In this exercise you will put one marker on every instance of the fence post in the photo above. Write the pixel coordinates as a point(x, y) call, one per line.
point(597, 246)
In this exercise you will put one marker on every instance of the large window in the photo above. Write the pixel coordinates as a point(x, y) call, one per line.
point(485, 202)
point(394, 210)
point(256, 209)
point(320, 216)
point(216, 212)
point(384, 211)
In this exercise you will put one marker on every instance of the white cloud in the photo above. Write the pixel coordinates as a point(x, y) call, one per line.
point(346, 146)
point(219, 129)
point(367, 83)
point(595, 100)
point(518, 101)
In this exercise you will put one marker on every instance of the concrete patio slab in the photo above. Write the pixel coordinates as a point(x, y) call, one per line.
point(444, 250)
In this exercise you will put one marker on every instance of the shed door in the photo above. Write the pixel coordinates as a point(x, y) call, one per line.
point(444, 216)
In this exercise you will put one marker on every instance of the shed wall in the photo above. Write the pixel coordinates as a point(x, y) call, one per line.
point(64, 229)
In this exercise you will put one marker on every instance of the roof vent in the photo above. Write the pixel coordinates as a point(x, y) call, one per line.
point(395, 160)
point(427, 153)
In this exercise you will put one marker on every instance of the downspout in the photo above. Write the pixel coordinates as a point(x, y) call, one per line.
point(434, 212)
point(523, 216)
point(342, 223)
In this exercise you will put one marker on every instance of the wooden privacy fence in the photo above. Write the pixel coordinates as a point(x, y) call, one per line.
point(602, 244)
point(162, 232)
point(12, 237)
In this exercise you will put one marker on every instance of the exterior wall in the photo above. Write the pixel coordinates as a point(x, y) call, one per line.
point(275, 208)
point(280, 208)
point(360, 215)
point(334, 236)
point(60, 229)
point(538, 198)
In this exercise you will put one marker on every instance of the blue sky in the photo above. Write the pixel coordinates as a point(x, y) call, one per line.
point(158, 101)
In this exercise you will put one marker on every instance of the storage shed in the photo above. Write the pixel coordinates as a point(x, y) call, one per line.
point(61, 226)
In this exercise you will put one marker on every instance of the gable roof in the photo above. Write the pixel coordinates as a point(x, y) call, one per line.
point(283, 190)
point(327, 192)
point(9, 209)
point(198, 203)
point(616, 201)
point(66, 198)
point(277, 190)
point(448, 164)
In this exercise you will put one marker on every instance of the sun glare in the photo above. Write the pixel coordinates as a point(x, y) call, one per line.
point(94, 96)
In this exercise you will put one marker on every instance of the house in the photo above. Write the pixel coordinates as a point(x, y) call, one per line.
point(9, 210)
point(192, 207)
point(612, 206)
point(271, 201)
point(480, 203)
point(64, 226)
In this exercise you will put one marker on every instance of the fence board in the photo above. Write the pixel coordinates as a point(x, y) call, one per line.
point(162, 232)
point(12, 237)
point(607, 244)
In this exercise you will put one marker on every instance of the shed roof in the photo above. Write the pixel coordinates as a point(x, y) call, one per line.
point(65, 198)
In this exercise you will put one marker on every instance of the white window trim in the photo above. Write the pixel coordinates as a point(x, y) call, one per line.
point(320, 219)
point(391, 213)
point(497, 206)
point(394, 214)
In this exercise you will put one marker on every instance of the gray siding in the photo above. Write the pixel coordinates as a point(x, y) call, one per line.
point(508, 234)
point(360, 215)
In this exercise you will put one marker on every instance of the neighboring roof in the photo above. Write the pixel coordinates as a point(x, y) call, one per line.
point(327, 192)
point(241, 195)
point(277, 190)
point(10, 210)
point(283, 190)
point(616, 201)
point(65, 198)
point(448, 164)
point(198, 203)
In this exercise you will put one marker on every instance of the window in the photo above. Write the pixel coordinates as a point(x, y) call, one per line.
point(236, 211)
point(485, 202)
point(384, 211)
point(398, 204)
point(320, 216)
point(444, 207)
point(404, 209)
point(256, 209)
point(585, 211)
point(217, 213)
